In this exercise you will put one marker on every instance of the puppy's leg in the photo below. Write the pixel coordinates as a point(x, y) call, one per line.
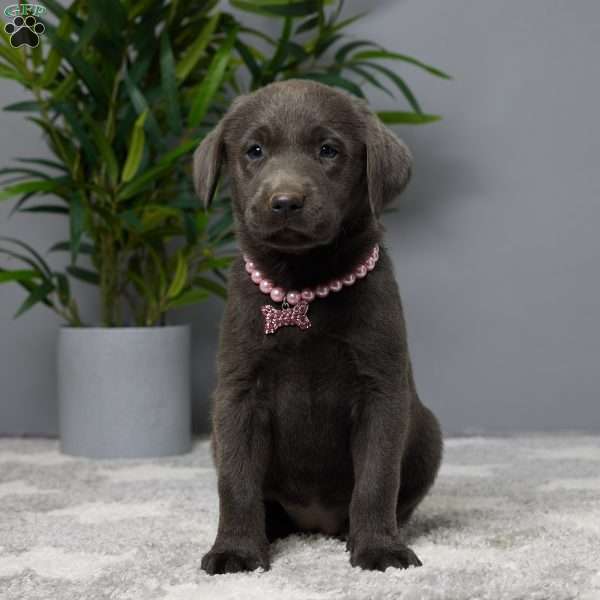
point(242, 439)
point(379, 438)
point(421, 461)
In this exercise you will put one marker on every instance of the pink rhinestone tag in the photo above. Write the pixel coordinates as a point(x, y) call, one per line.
point(292, 316)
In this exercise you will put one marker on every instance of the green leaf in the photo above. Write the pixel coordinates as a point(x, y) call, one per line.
point(369, 54)
point(139, 69)
point(23, 172)
point(372, 80)
point(307, 25)
point(392, 117)
point(41, 186)
point(63, 288)
point(44, 162)
point(21, 202)
point(76, 221)
point(281, 51)
point(14, 57)
point(136, 149)
point(91, 27)
point(21, 257)
point(159, 270)
point(148, 177)
point(37, 56)
point(185, 200)
point(57, 8)
point(187, 298)
point(246, 54)
point(66, 87)
point(155, 215)
point(71, 115)
point(296, 53)
point(110, 11)
point(7, 73)
point(139, 7)
point(31, 106)
point(38, 294)
point(131, 221)
point(83, 67)
point(84, 247)
point(189, 224)
point(335, 81)
point(179, 279)
point(29, 287)
point(195, 52)
point(324, 43)
point(39, 263)
point(221, 226)
point(205, 92)
point(342, 24)
point(400, 83)
point(169, 84)
point(19, 275)
point(46, 208)
point(85, 275)
point(213, 263)
point(141, 182)
point(277, 8)
point(220, 275)
point(212, 286)
point(201, 219)
point(343, 51)
point(54, 57)
point(141, 105)
point(259, 34)
point(106, 150)
point(62, 146)
point(141, 286)
point(4, 37)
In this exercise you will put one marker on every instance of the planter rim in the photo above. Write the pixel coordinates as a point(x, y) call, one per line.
point(123, 329)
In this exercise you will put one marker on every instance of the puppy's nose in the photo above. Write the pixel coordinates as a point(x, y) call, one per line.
point(286, 203)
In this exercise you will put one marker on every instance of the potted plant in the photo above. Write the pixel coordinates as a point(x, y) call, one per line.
point(123, 92)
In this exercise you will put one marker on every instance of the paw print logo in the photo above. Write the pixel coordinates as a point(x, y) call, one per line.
point(24, 32)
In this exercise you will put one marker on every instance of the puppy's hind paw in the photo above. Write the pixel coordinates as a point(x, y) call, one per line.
point(379, 558)
point(233, 561)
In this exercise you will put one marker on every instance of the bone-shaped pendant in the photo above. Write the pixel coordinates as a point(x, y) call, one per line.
point(292, 316)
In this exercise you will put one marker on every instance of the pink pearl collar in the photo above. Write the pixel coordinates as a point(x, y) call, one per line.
point(299, 299)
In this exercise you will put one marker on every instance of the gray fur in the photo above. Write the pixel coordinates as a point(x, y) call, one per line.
point(327, 421)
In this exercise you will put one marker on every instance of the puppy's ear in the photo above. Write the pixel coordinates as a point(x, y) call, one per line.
point(389, 164)
point(208, 159)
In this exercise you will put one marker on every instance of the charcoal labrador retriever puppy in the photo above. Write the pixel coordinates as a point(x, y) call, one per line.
point(317, 425)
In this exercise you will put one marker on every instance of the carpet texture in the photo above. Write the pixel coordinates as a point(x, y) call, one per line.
point(509, 518)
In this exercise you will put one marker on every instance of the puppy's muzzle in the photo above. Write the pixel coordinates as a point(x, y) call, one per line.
point(286, 204)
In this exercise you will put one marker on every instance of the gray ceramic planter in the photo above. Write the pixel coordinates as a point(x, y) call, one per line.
point(124, 392)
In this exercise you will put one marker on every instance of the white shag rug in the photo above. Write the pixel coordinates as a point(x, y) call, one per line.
point(509, 518)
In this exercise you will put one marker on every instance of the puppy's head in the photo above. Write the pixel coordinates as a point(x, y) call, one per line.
point(305, 160)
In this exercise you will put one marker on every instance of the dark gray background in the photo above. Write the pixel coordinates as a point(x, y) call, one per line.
point(495, 242)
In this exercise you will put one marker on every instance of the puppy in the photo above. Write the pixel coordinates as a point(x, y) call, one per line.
point(317, 425)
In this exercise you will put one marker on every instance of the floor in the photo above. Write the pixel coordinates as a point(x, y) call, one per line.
point(509, 518)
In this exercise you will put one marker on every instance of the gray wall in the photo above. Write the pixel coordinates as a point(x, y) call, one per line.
point(495, 241)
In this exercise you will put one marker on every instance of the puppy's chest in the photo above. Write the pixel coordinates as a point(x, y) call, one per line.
point(305, 379)
point(310, 393)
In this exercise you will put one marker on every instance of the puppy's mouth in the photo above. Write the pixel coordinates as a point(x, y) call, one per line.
point(289, 238)
point(293, 234)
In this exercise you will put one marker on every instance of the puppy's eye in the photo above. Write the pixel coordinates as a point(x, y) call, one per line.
point(327, 151)
point(254, 152)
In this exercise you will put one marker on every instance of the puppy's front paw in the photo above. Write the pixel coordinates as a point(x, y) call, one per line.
point(378, 557)
point(234, 559)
